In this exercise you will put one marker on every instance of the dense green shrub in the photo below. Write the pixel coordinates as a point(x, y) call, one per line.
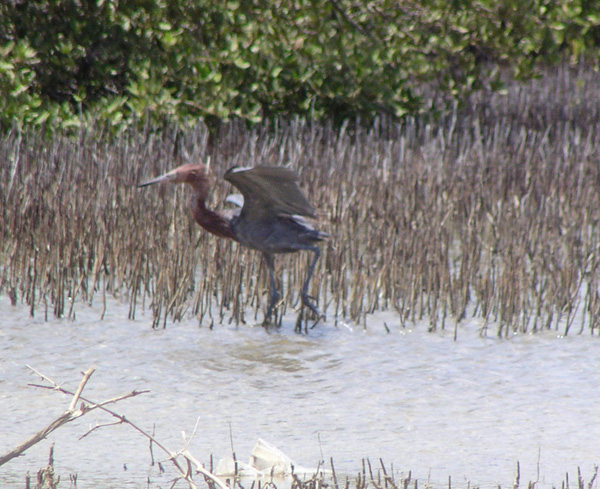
point(62, 61)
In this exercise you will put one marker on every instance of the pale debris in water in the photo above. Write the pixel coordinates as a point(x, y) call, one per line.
point(266, 460)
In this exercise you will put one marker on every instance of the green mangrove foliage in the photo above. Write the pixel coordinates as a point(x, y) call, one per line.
point(66, 61)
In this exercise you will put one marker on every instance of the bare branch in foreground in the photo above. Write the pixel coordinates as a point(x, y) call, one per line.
point(69, 415)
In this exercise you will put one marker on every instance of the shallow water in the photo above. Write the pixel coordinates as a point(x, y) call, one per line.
point(468, 409)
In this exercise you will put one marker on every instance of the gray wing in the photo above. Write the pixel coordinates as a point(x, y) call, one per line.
point(269, 190)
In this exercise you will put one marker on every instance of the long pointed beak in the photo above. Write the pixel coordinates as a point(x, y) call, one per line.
point(163, 178)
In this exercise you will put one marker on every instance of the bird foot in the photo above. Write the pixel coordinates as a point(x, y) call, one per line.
point(274, 304)
point(306, 301)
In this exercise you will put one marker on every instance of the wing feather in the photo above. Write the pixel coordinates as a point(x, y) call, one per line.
point(269, 190)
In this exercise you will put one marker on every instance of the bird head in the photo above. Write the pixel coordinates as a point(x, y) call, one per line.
point(197, 175)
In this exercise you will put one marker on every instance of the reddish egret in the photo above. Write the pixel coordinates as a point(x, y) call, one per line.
point(271, 220)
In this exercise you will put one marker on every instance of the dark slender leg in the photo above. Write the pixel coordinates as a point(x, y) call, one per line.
point(274, 296)
point(306, 299)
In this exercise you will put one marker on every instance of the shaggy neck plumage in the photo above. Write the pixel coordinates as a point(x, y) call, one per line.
point(210, 220)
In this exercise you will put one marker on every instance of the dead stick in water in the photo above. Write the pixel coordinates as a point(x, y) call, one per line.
point(68, 416)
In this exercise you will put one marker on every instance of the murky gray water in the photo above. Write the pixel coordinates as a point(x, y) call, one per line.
point(468, 409)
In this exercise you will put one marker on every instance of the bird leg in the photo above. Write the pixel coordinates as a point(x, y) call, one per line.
point(306, 299)
point(275, 296)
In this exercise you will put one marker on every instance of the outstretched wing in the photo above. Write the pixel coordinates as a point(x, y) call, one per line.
point(269, 190)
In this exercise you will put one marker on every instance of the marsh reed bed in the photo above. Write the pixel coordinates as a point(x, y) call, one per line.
point(491, 210)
